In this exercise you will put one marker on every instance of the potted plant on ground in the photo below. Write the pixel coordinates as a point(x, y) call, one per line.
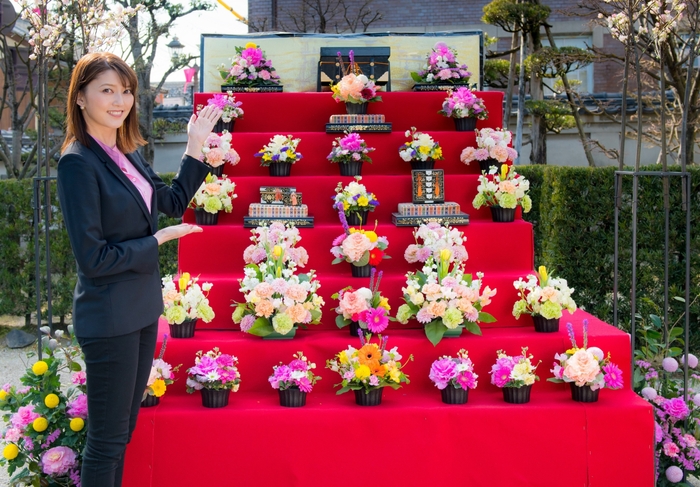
point(349, 152)
point(465, 108)
point(515, 375)
point(544, 297)
point(368, 370)
point(185, 303)
point(215, 374)
point(294, 381)
point(421, 150)
point(586, 369)
point(454, 376)
point(502, 192)
point(279, 154)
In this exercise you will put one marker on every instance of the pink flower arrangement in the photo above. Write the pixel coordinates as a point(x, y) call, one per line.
point(249, 67)
point(276, 234)
point(431, 239)
point(456, 371)
point(366, 306)
point(490, 144)
point(354, 87)
point(77, 408)
point(463, 103)
point(442, 67)
point(218, 150)
point(513, 371)
point(586, 366)
point(298, 373)
point(351, 148)
point(231, 109)
point(277, 299)
point(213, 370)
point(357, 246)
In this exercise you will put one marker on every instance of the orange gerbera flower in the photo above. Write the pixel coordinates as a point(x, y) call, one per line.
point(378, 369)
point(369, 353)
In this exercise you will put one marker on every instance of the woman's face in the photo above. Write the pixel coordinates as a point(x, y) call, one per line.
point(106, 103)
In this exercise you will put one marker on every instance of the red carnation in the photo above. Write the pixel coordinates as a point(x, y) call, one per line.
point(375, 257)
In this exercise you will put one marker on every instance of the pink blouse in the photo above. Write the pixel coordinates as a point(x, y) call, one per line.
point(134, 176)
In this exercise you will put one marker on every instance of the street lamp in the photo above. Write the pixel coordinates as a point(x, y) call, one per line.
point(175, 47)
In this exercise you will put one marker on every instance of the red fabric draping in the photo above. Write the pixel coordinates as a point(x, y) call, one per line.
point(412, 438)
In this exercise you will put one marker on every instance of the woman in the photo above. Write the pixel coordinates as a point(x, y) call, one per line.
point(110, 199)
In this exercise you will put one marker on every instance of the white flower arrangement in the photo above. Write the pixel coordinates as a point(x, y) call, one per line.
point(490, 144)
point(215, 194)
point(543, 295)
point(505, 188)
point(186, 300)
point(421, 147)
point(281, 148)
point(431, 239)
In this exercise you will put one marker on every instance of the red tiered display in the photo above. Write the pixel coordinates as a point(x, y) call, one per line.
point(412, 438)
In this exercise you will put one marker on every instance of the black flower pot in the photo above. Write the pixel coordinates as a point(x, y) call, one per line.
point(371, 398)
point(292, 397)
point(217, 171)
point(467, 124)
point(215, 398)
point(361, 271)
point(353, 168)
point(502, 215)
point(150, 401)
point(202, 217)
point(354, 329)
point(358, 217)
point(453, 395)
point(221, 126)
point(583, 394)
point(486, 165)
point(517, 395)
point(429, 164)
point(183, 330)
point(356, 108)
point(543, 325)
point(280, 168)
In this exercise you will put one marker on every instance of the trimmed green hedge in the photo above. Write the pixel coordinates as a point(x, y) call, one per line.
point(17, 271)
point(573, 216)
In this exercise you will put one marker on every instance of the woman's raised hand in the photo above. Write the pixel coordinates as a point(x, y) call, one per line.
point(199, 128)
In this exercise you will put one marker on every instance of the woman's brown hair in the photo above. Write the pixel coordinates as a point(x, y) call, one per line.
point(88, 68)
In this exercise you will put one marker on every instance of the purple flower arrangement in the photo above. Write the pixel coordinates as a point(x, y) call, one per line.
point(231, 109)
point(513, 371)
point(249, 67)
point(455, 371)
point(351, 148)
point(463, 103)
point(298, 373)
point(213, 370)
point(442, 67)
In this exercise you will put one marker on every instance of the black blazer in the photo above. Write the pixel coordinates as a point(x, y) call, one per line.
point(111, 233)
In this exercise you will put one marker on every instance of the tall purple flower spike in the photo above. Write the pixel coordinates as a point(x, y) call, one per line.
point(585, 333)
point(570, 331)
point(343, 220)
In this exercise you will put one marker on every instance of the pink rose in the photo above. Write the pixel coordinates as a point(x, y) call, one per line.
point(78, 378)
point(499, 153)
point(23, 416)
point(352, 303)
point(215, 157)
point(582, 367)
point(78, 408)
point(467, 155)
point(355, 246)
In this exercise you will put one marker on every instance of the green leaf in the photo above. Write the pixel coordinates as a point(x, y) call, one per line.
point(75, 367)
point(472, 327)
point(343, 390)
point(416, 77)
point(486, 317)
point(674, 352)
point(341, 322)
point(363, 261)
point(656, 320)
point(678, 298)
point(676, 332)
point(435, 330)
point(338, 260)
point(261, 327)
point(315, 315)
